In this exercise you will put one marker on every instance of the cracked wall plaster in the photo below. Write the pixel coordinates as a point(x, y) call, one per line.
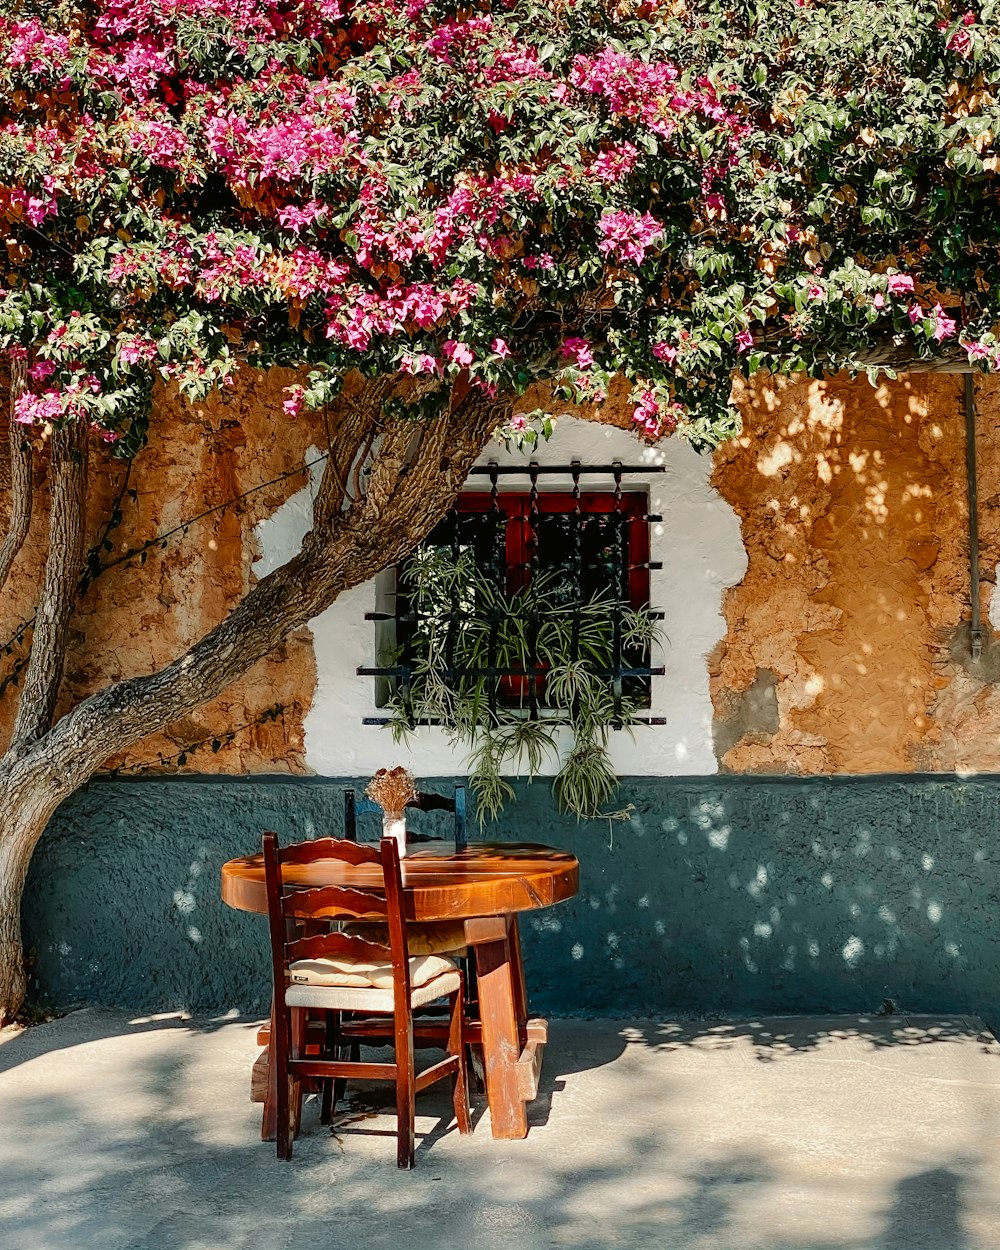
point(828, 548)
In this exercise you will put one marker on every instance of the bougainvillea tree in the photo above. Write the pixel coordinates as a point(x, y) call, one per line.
point(444, 203)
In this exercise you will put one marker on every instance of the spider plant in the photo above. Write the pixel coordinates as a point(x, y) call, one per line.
point(470, 631)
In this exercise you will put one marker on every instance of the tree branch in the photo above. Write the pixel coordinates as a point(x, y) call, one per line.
point(353, 429)
point(19, 520)
point(345, 549)
point(67, 518)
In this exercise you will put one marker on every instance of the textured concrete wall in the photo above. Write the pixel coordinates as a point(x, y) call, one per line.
point(721, 895)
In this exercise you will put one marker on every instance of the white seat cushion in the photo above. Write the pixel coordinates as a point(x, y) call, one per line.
point(365, 974)
point(360, 998)
point(430, 937)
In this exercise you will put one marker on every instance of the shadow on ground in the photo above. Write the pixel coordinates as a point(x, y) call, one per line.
point(760, 1135)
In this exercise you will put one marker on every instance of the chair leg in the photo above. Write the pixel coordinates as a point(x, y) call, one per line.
point(332, 1042)
point(459, 1082)
point(405, 1094)
point(468, 966)
point(340, 1084)
point(283, 1127)
point(300, 1019)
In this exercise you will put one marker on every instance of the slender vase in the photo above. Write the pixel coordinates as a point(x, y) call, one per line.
point(394, 826)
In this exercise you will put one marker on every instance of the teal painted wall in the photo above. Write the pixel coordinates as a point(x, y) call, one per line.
point(722, 895)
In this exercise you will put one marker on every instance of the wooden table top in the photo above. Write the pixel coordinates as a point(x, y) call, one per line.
point(484, 879)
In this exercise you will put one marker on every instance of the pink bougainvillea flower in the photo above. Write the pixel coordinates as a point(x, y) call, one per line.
point(945, 327)
point(423, 362)
point(899, 284)
point(518, 422)
point(499, 348)
point(42, 370)
point(815, 291)
point(665, 352)
point(647, 413)
point(655, 417)
point(961, 41)
point(292, 405)
point(879, 300)
point(460, 354)
point(578, 350)
point(137, 349)
point(915, 314)
point(616, 163)
point(976, 351)
point(627, 236)
point(744, 341)
point(295, 217)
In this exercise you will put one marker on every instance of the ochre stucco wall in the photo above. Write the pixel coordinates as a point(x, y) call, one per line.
point(854, 515)
point(139, 616)
point(845, 650)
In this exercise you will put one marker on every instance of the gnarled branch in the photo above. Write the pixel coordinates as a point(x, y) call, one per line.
point(355, 426)
point(67, 520)
point(19, 521)
point(345, 549)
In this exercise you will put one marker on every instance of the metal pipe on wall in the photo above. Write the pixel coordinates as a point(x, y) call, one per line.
point(976, 632)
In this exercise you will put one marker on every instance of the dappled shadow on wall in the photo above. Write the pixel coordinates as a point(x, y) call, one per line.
point(853, 502)
point(750, 896)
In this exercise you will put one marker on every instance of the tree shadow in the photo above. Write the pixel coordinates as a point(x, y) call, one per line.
point(145, 1140)
point(770, 1039)
point(927, 1211)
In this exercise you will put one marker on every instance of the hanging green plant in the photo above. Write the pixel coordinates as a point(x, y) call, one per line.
point(505, 672)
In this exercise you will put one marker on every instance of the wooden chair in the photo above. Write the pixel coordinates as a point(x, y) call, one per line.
point(335, 972)
point(424, 802)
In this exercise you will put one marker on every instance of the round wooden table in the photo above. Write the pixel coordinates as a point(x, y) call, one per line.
point(486, 884)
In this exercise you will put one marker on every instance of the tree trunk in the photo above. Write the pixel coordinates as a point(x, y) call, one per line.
point(19, 519)
point(63, 565)
point(27, 800)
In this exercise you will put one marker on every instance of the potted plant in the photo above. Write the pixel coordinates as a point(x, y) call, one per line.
point(517, 676)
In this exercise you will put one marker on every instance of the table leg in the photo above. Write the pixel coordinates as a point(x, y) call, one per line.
point(501, 1037)
point(517, 974)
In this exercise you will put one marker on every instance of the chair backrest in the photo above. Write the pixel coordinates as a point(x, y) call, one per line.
point(424, 802)
point(313, 907)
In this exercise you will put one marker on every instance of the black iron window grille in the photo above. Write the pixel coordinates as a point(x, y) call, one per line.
point(590, 546)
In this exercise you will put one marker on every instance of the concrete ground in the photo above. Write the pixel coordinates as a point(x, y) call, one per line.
point(790, 1134)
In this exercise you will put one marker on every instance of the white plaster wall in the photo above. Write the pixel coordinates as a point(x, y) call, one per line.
point(698, 542)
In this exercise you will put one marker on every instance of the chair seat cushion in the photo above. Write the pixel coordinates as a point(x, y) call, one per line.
point(431, 937)
point(367, 998)
point(362, 974)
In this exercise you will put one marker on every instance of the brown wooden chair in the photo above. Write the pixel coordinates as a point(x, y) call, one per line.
point(334, 973)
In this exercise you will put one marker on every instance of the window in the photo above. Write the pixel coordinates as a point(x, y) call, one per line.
point(588, 547)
